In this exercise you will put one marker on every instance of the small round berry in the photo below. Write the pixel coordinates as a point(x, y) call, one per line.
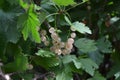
point(68, 46)
point(30, 66)
point(58, 51)
point(72, 29)
point(52, 48)
point(51, 30)
point(70, 40)
point(68, 51)
point(54, 36)
point(46, 43)
point(62, 44)
point(43, 32)
point(43, 38)
point(64, 51)
point(73, 35)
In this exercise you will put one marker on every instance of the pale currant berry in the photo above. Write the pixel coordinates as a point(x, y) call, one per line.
point(70, 40)
point(72, 29)
point(62, 44)
point(68, 46)
point(51, 30)
point(73, 35)
point(30, 66)
point(46, 43)
point(89, 7)
point(43, 32)
point(7, 77)
point(64, 51)
point(54, 36)
point(43, 38)
point(58, 51)
point(52, 49)
point(68, 51)
point(55, 43)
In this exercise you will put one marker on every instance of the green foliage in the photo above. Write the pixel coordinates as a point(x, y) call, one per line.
point(85, 45)
point(104, 45)
point(80, 27)
point(97, 76)
point(24, 53)
point(30, 22)
point(44, 53)
point(89, 66)
point(64, 3)
point(20, 63)
point(64, 74)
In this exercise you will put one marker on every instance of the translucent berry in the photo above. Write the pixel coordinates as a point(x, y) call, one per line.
point(43, 32)
point(68, 51)
point(54, 36)
point(30, 66)
point(62, 44)
point(51, 30)
point(64, 51)
point(52, 48)
point(73, 35)
point(58, 51)
point(46, 43)
point(72, 29)
point(43, 38)
point(68, 46)
point(70, 40)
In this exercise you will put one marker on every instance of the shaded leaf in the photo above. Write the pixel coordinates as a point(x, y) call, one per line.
point(64, 74)
point(46, 62)
point(104, 45)
point(97, 57)
point(89, 66)
point(85, 45)
point(97, 76)
point(20, 63)
point(8, 26)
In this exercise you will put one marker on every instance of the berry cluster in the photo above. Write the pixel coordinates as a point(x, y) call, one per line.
point(60, 47)
point(43, 37)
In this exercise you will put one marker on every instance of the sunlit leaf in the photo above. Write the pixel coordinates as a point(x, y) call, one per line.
point(64, 3)
point(30, 22)
point(80, 27)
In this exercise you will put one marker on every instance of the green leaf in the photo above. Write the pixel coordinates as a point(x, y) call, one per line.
point(30, 22)
point(104, 45)
point(97, 57)
point(77, 64)
point(80, 27)
point(23, 4)
point(46, 62)
point(8, 26)
point(89, 66)
point(12, 2)
point(67, 20)
point(44, 53)
point(71, 58)
point(65, 74)
point(68, 59)
point(64, 3)
point(86, 45)
point(27, 76)
point(20, 63)
point(97, 76)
